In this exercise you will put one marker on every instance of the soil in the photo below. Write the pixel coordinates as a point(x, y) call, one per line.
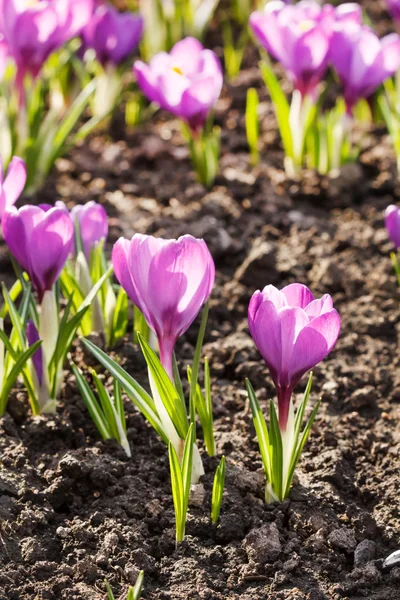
point(75, 511)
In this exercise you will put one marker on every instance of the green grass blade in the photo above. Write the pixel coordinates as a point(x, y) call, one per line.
point(135, 592)
point(218, 490)
point(91, 403)
point(110, 595)
point(107, 406)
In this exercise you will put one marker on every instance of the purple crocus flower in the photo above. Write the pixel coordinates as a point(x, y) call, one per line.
point(93, 224)
point(394, 8)
point(113, 35)
point(362, 61)
point(40, 241)
point(392, 223)
point(32, 335)
point(298, 37)
point(168, 280)
point(294, 332)
point(187, 82)
point(33, 30)
point(12, 185)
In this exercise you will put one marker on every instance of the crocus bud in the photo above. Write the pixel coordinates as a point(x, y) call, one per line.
point(3, 57)
point(33, 30)
point(168, 280)
point(394, 8)
point(294, 332)
point(362, 61)
point(298, 37)
point(392, 222)
point(113, 35)
point(12, 185)
point(40, 241)
point(93, 224)
point(187, 82)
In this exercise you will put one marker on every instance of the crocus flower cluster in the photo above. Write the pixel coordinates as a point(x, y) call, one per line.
point(33, 30)
point(113, 35)
point(187, 82)
point(168, 280)
point(294, 332)
point(299, 37)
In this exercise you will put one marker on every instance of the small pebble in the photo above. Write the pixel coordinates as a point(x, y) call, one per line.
point(393, 560)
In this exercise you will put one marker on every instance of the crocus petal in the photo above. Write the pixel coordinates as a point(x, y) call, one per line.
point(314, 343)
point(182, 270)
point(15, 180)
point(186, 55)
point(297, 294)
point(391, 52)
point(17, 229)
point(51, 243)
point(93, 224)
point(319, 306)
point(120, 254)
point(265, 329)
point(292, 320)
point(146, 80)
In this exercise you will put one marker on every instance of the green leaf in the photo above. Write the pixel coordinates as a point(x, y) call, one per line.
point(166, 389)
point(107, 406)
point(141, 399)
point(119, 404)
point(218, 490)
point(281, 105)
point(135, 592)
point(180, 481)
point(252, 124)
point(110, 594)
point(196, 363)
point(68, 123)
point(120, 317)
point(261, 431)
point(15, 317)
point(277, 452)
point(14, 292)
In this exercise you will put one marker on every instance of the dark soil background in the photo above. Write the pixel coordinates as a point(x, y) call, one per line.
point(75, 510)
